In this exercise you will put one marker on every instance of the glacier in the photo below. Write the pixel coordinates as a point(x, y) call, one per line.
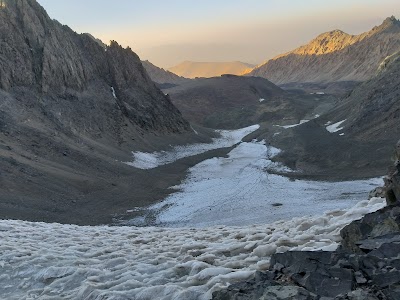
point(56, 261)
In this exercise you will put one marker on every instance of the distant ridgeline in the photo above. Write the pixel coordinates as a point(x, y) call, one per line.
point(335, 56)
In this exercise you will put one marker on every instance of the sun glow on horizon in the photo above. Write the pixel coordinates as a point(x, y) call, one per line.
point(169, 33)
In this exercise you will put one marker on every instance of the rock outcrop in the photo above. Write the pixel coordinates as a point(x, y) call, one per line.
point(392, 180)
point(335, 56)
point(365, 266)
point(51, 60)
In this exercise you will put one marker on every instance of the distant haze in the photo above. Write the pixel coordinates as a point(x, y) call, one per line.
point(190, 69)
point(169, 32)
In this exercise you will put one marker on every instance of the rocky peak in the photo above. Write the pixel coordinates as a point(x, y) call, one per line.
point(327, 42)
point(335, 56)
point(391, 21)
point(40, 54)
point(390, 24)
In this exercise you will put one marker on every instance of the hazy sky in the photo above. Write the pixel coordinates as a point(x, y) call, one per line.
point(167, 32)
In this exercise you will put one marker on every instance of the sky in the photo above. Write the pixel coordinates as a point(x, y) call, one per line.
point(253, 31)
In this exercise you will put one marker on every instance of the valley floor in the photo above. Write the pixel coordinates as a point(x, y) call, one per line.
point(223, 197)
point(240, 190)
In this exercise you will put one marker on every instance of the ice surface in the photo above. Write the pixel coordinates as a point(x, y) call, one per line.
point(228, 138)
point(335, 127)
point(54, 261)
point(238, 190)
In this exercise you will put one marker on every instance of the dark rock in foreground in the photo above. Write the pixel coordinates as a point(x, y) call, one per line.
point(365, 267)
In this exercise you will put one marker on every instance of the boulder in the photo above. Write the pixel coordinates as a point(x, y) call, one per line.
point(380, 223)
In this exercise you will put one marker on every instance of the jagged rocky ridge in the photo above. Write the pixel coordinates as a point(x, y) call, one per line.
point(334, 56)
point(365, 266)
point(71, 111)
point(52, 60)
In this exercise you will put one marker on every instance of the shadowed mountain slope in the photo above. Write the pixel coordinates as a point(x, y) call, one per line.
point(235, 101)
point(356, 137)
point(71, 112)
point(372, 110)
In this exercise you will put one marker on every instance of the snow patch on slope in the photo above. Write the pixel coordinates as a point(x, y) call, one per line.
point(293, 125)
point(54, 261)
point(335, 127)
point(228, 138)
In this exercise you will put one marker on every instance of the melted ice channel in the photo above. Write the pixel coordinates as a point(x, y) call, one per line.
point(228, 138)
point(54, 261)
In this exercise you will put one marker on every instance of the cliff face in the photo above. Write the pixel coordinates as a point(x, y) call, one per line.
point(334, 56)
point(51, 60)
point(71, 111)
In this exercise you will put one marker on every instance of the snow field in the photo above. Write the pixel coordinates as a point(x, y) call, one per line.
point(228, 138)
point(54, 261)
point(238, 190)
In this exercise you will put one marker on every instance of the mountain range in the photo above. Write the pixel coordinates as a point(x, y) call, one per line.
point(87, 137)
point(334, 56)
